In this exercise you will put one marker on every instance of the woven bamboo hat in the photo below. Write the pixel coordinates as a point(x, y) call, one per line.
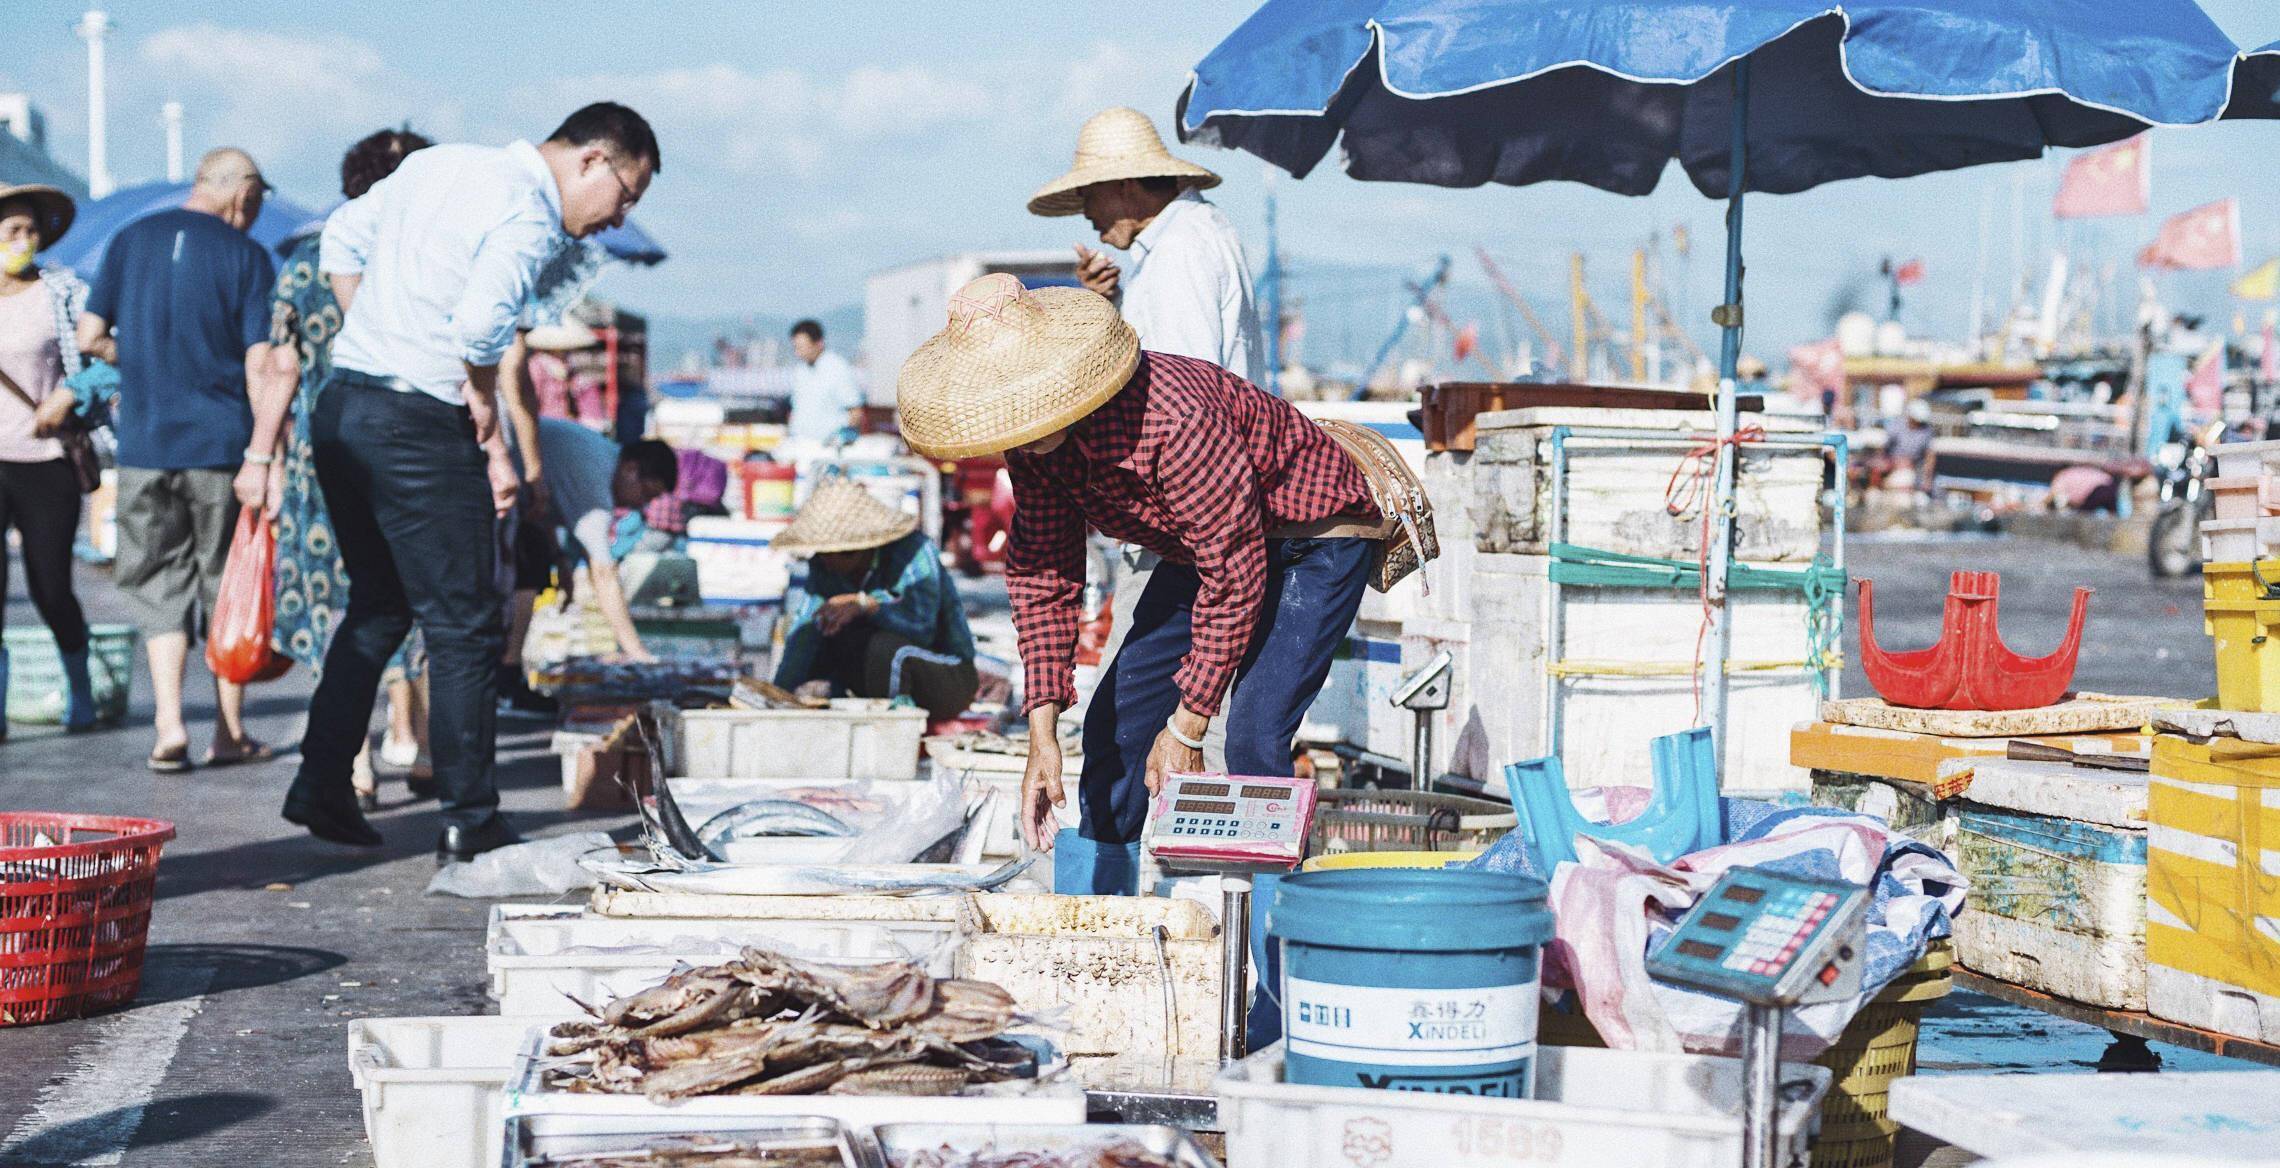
point(52, 208)
point(1116, 144)
point(1014, 365)
point(842, 516)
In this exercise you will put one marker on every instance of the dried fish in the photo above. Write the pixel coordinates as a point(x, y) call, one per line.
point(767, 1024)
point(1117, 1153)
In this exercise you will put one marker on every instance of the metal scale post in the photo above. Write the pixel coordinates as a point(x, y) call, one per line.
point(1772, 942)
point(1234, 828)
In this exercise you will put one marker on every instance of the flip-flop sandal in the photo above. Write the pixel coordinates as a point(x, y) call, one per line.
point(170, 760)
point(250, 751)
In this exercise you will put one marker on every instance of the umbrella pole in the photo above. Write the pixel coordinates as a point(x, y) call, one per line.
point(1729, 318)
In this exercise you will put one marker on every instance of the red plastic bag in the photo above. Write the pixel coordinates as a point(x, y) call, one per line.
point(245, 613)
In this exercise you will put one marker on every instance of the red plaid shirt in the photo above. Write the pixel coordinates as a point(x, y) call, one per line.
point(1192, 463)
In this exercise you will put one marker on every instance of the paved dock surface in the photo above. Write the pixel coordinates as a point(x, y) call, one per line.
point(265, 943)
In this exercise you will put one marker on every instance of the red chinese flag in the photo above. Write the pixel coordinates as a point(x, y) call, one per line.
point(2117, 180)
point(2206, 387)
point(1911, 272)
point(2203, 239)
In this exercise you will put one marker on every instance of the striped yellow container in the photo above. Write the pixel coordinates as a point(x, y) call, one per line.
point(2212, 932)
point(1343, 861)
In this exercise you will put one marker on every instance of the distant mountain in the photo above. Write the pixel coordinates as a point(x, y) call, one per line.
point(672, 336)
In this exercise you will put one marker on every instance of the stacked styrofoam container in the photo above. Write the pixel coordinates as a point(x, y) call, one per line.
point(2246, 492)
point(856, 738)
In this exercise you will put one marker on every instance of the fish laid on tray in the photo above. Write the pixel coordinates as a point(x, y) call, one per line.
point(766, 1024)
point(1109, 1154)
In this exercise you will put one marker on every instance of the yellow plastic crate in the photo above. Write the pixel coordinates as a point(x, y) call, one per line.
point(2212, 934)
point(1343, 861)
point(2248, 657)
point(2241, 581)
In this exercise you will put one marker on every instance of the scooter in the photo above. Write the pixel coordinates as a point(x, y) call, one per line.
point(2173, 546)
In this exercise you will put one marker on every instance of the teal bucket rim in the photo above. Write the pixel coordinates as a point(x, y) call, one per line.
point(1444, 910)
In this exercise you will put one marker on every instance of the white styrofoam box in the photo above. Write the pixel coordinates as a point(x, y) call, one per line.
point(735, 565)
point(853, 739)
point(1094, 960)
point(803, 1134)
point(2171, 1120)
point(2057, 905)
point(2211, 1004)
point(1592, 1107)
point(2247, 497)
point(433, 1088)
point(1355, 706)
point(1907, 807)
point(2113, 798)
point(546, 1113)
point(2234, 541)
point(541, 957)
point(2241, 459)
point(1616, 488)
point(1608, 721)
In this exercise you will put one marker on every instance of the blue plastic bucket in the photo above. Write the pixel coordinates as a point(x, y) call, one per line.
point(1411, 980)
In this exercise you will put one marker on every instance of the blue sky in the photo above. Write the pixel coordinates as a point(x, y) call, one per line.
point(809, 144)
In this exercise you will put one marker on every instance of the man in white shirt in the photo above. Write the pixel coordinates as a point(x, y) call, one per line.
point(432, 267)
point(1187, 291)
point(825, 399)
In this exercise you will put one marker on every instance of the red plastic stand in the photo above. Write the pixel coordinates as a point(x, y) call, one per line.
point(1969, 669)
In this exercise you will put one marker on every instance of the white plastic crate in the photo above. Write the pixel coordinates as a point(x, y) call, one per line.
point(1593, 1108)
point(548, 1113)
point(543, 956)
point(852, 740)
point(434, 1088)
point(2233, 541)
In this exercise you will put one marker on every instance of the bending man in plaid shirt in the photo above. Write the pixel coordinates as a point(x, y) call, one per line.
point(1263, 521)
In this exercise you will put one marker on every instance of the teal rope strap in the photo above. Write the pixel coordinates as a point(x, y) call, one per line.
point(1820, 584)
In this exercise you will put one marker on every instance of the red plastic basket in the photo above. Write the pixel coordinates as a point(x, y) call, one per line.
point(75, 897)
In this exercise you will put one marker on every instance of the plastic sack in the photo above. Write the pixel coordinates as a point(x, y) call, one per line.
point(922, 822)
point(538, 868)
point(238, 647)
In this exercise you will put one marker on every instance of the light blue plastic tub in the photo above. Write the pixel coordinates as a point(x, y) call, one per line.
point(1411, 980)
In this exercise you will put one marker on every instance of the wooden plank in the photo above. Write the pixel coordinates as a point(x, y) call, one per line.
point(2082, 713)
point(2130, 1022)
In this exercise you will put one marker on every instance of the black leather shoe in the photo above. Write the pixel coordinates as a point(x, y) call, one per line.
point(339, 825)
point(422, 788)
point(457, 844)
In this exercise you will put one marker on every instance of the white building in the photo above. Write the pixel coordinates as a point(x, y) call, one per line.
point(24, 154)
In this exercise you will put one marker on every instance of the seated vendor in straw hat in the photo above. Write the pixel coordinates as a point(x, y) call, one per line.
point(1265, 525)
point(879, 617)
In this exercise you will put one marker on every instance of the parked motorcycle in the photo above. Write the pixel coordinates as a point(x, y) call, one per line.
point(2173, 546)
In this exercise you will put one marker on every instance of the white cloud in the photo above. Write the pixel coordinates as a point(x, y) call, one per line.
point(284, 96)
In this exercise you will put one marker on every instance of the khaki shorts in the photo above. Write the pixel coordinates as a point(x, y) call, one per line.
point(174, 537)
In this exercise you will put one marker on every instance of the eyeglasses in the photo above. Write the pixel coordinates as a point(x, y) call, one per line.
point(630, 196)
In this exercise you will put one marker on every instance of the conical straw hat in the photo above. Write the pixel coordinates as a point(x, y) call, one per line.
point(1116, 144)
point(51, 208)
point(842, 516)
point(1014, 365)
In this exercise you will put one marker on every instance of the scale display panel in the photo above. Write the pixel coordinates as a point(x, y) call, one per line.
point(1236, 820)
point(1769, 939)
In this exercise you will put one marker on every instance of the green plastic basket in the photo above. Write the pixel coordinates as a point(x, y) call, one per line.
point(35, 673)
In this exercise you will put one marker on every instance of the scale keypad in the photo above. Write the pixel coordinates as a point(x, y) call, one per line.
point(1786, 922)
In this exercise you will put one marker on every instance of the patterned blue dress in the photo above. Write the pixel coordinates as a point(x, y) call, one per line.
point(312, 582)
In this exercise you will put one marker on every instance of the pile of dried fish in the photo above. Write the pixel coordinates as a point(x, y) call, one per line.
point(766, 1024)
point(1119, 1153)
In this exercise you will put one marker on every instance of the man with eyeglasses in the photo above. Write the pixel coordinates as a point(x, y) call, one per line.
point(433, 267)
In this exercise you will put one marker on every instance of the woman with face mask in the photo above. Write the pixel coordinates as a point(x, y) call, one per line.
point(39, 494)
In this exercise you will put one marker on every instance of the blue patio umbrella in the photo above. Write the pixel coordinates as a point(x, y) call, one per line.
point(1775, 96)
point(81, 248)
point(2256, 84)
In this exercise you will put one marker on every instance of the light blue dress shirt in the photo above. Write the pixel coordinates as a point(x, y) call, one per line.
point(450, 247)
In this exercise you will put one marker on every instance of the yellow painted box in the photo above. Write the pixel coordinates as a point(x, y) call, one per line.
point(2248, 656)
point(2212, 933)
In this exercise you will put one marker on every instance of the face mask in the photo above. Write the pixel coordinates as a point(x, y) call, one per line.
point(15, 259)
